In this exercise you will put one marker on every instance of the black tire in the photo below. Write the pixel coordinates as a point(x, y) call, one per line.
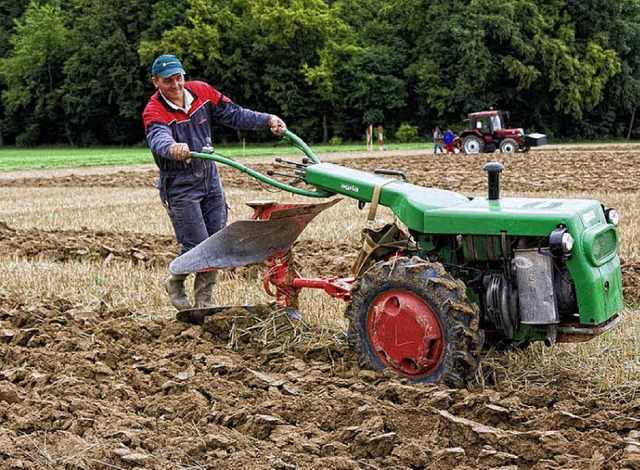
point(420, 307)
point(472, 144)
point(509, 146)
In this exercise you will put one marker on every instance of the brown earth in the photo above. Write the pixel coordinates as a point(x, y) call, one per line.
point(87, 386)
point(549, 170)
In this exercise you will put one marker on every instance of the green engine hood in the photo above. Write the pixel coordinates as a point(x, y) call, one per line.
point(430, 210)
point(517, 216)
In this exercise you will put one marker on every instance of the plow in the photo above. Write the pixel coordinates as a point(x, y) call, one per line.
point(451, 275)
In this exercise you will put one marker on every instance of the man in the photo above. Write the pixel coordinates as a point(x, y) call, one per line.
point(437, 137)
point(177, 121)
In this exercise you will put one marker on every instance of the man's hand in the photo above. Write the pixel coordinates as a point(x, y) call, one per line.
point(180, 151)
point(276, 125)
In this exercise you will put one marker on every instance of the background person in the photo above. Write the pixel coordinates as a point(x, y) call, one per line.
point(177, 121)
point(437, 138)
point(449, 138)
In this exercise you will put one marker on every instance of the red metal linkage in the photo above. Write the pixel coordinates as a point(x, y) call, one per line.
point(578, 333)
point(262, 210)
point(340, 288)
point(288, 283)
point(280, 274)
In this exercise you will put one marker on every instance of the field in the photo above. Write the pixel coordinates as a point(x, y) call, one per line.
point(95, 373)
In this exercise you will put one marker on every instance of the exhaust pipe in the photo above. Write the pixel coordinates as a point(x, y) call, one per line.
point(552, 335)
point(493, 170)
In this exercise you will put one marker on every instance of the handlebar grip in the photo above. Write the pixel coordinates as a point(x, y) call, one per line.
point(382, 171)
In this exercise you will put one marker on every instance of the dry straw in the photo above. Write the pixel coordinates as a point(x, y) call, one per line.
point(608, 365)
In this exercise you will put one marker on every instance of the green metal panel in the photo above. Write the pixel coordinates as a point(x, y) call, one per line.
point(429, 210)
point(407, 200)
point(516, 216)
point(594, 265)
point(598, 289)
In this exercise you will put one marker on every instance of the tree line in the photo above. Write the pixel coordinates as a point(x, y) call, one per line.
point(77, 72)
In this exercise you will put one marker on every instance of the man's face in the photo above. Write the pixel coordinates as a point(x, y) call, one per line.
point(171, 87)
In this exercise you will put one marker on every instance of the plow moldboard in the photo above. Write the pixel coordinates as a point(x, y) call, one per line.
point(246, 242)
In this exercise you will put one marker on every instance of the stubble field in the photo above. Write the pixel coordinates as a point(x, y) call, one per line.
point(95, 373)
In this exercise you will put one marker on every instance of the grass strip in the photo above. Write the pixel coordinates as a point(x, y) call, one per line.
point(15, 159)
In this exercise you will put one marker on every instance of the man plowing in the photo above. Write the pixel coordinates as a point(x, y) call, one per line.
point(177, 121)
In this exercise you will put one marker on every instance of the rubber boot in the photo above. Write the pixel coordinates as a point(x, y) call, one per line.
point(174, 285)
point(202, 289)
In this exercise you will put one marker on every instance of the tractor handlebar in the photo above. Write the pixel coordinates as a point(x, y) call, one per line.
point(299, 143)
point(293, 140)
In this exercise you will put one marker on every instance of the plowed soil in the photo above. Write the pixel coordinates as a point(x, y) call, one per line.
point(87, 386)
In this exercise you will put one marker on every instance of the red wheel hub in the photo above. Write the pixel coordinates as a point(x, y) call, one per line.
point(406, 333)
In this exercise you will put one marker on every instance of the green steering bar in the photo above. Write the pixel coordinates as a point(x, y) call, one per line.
point(291, 137)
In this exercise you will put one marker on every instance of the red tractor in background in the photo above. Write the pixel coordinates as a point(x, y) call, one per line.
point(487, 133)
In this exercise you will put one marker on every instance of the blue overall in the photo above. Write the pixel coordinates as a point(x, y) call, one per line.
point(192, 192)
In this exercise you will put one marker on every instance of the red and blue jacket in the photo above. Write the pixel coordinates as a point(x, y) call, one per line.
point(165, 126)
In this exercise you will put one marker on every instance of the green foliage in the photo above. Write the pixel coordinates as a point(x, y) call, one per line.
point(407, 133)
point(520, 54)
point(33, 73)
point(102, 103)
point(77, 71)
point(9, 11)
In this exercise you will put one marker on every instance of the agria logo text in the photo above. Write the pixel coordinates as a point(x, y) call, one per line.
point(349, 187)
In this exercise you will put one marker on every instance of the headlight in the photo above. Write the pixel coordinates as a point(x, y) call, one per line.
point(567, 242)
point(612, 216)
point(561, 242)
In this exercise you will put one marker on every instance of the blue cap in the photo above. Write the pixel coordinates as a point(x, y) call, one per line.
point(166, 65)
